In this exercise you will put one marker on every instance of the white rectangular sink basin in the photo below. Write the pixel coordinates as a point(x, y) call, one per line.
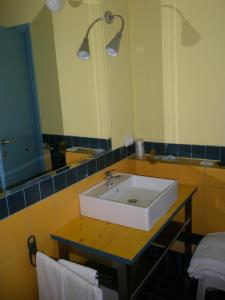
point(134, 201)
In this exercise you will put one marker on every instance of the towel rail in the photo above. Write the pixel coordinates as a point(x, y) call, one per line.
point(32, 247)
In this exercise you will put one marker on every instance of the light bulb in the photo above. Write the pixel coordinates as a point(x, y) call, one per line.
point(55, 5)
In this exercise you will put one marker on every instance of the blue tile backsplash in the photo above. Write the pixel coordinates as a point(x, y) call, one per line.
point(32, 194)
point(3, 209)
point(186, 150)
point(46, 187)
point(77, 141)
point(16, 202)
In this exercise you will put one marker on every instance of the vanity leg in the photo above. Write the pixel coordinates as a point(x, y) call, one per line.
point(122, 281)
point(188, 228)
point(63, 252)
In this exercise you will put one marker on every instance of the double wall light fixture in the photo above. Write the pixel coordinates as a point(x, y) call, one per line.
point(113, 46)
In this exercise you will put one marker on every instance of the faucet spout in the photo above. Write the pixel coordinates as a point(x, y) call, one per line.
point(109, 178)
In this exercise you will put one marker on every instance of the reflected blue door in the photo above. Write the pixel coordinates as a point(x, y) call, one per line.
point(20, 137)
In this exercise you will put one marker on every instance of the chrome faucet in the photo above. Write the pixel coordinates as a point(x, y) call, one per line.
point(109, 178)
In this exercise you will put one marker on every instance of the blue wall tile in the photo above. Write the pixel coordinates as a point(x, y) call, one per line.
point(85, 142)
point(32, 194)
point(148, 147)
point(184, 150)
point(68, 140)
point(94, 143)
point(109, 144)
point(15, 202)
point(3, 209)
point(46, 187)
point(116, 155)
point(71, 176)
point(108, 159)
point(198, 151)
point(59, 182)
point(171, 149)
point(82, 172)
point(92, 167)
point(76, 141)
point(100, 162)
point(213, 152)
point(123, 152)
point(102, 144)
point(160, 148)
point(222, 153)
point(130, 149)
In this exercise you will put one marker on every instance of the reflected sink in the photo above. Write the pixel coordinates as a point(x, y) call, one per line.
point(134, 201)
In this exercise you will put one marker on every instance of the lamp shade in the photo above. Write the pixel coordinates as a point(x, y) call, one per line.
point(84, 52)
point(189, 35)
point(55, 5)
point(113, 46)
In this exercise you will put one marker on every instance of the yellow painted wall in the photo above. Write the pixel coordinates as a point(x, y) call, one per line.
point(82, 83)
point(178, 90)
point(119, 76)
point(146, 66)
point(80, 86)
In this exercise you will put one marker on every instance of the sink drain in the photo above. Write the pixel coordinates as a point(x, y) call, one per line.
point(132, 201)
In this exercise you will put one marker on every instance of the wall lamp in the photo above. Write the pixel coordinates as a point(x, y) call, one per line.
point(189, 35)
point(113, 46)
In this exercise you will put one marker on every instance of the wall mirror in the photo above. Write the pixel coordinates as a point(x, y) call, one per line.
point(49, 100)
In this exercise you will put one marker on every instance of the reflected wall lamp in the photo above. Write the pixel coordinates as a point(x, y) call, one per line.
point(55, 5)
point(189, 35)
point(113, 46)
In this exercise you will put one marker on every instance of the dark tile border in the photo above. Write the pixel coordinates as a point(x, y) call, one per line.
point(187, 150)
point(77, 141)
point(22, 197)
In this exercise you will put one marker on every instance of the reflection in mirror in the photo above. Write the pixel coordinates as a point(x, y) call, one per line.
point(189, 35)
point(32, 133)
point(30, 101)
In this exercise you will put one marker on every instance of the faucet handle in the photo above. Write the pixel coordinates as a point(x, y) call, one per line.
point(109, 174)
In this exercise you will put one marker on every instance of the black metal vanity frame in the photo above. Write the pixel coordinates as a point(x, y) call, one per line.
point(132, 274)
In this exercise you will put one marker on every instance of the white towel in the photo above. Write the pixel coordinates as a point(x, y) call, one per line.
point(56, 282)
point(87, 273)
point(209, 258)
point(78, 288)
point(50, 276)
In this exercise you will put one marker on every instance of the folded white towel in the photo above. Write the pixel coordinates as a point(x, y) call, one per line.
point(57, 282)
point(209, 258)
point(78, 288)
point(87, 273)
point(50, 276)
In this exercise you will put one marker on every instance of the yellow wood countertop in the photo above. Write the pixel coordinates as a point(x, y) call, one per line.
point(112, 240)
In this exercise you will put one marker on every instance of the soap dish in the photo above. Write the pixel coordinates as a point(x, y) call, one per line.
point(207, 163)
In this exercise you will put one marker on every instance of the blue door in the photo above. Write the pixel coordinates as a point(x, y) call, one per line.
point(21, 155)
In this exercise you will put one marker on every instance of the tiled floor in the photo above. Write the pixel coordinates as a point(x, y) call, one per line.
point(170, 281)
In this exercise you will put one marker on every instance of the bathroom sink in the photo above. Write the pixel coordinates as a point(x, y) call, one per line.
point(134, 201)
